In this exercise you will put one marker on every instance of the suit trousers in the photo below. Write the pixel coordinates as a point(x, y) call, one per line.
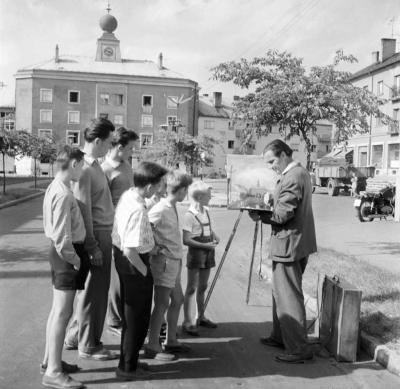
point(136, 297)
point(114, 315)
point(87, 326)
point(289, 315)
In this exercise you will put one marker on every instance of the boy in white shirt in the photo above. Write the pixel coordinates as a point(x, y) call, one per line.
point(201, 240)
point(133, 240)
point(166, 267)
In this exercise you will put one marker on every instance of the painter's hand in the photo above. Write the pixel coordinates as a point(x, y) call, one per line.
point(254, 215)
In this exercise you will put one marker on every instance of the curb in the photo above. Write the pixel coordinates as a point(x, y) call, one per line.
point(21, 200)
point(387, 358)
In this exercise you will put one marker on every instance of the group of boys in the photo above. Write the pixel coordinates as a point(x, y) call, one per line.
point(115, 239)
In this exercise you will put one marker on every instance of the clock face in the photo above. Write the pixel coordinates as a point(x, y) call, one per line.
point(108, 51)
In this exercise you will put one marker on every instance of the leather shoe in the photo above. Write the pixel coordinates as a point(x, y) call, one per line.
point(269, 341)
point(137, 374)
point(294, 358)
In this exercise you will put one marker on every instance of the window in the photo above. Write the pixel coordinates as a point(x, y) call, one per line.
point(46, 95)
point(313, 148)
point(365, 87)
point(396, 91)
point(118, 99)
point(362, 156)
point(209, 124)
point(74, 96)
point(379, 122)
point(231, 144)
point(45, 133)
point(377, 155)
point(393, 154)
point(396, 114)
point(9, 124)
point(103, 116)
point(327, 148)
point(105, 98)
point(46, 116)
point(380, 88)
point(73, 138)
point(172, 102)
point(73, 117)
point(147, 120)
point(118, 119)
point(146, 140)
point(147, 100)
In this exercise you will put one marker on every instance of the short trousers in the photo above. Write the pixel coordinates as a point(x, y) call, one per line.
point(200, 258)
point(166, 271)
point(63, 274)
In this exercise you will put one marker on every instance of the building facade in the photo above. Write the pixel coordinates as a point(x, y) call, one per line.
point(58, 97)
point(381, 146)
point(214, 121)
point(7, 123)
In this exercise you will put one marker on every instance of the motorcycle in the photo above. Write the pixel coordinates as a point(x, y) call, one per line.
point(372, 205)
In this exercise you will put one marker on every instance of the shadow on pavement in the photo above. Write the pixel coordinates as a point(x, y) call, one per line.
point(232, 351)
point(25, 274)
point(15, 254)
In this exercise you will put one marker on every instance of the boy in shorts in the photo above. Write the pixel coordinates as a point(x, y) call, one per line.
point(133, 240)
point(201, 240)
point(69, 262)
point(166, 267)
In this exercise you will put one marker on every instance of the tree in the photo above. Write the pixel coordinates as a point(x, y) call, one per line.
point(11, 145)
point(174, 147)
point(39, 148)
point(283, 93)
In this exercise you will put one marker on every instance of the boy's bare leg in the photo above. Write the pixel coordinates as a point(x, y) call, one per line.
point(204, 275)
point(173, 313)
point(48, 327)
point(161, 302)
point(190, 294)
point(63, 301)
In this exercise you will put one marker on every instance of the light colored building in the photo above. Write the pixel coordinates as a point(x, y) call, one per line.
point(59, 96)
point(381, 146)
point(214, 120)
point(7, 122)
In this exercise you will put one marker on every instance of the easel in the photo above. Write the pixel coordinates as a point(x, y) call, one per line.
point(227, 247)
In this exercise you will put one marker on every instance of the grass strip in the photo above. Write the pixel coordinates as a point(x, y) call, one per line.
point(14, 194)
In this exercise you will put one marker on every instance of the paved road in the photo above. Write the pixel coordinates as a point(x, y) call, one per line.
point(228, 357)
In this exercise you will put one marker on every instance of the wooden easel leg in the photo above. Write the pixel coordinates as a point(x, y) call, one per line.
point(252, 261)
point(228, 245)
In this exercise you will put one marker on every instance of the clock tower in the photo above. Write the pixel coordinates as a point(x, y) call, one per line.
point(108, 49)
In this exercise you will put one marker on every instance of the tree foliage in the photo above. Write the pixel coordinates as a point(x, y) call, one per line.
point(283, 93)
point(171, 148)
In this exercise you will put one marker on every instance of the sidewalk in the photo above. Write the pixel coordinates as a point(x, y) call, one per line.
point(228, 357)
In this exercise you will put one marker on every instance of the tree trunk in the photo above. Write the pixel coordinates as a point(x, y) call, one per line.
point(309, 148)
point(4, 174)
point(35, 171)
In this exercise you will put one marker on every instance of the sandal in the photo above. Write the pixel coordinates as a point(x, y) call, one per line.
point(190, 330)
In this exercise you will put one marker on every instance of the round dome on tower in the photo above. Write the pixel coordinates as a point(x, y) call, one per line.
point(108, 23)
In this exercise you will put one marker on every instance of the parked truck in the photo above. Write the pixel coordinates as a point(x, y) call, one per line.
point(335, 171)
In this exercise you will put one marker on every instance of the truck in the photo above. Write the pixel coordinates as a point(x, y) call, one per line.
point(335, 171)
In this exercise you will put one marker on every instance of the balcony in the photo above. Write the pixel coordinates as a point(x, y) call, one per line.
point(393, 129)
point(395, 93)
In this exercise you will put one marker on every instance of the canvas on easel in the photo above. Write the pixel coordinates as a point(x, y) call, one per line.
point(250, 182)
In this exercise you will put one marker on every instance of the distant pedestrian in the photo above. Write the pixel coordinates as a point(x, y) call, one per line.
point(132, 242)
point(69, 263)
point(354, 185)
point(94, 199)
point(166, 268)
point(292, 241)
point(201, 240)
point(119, 175)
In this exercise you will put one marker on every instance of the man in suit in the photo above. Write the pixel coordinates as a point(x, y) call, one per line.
point(292, 241)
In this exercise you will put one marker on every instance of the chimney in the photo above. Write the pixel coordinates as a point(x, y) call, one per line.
point(57, 56)
point(388, 48)
point(160, 61)
point(217, 99)
point(375, 57)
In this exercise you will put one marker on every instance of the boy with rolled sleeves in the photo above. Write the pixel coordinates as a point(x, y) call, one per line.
point(166, 267)
point(69, 262)
point(119, 175)
point(132, 242)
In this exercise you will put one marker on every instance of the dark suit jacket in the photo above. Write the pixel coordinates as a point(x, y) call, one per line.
point(292, 220)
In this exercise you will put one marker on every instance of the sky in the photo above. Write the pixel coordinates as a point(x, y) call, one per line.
point(195, 35)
